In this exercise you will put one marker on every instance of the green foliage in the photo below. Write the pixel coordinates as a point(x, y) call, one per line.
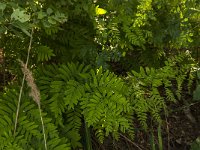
point(20, 16)
point(146, 38)
point(44, 53)
point(196, 144)
point(196, 93)
point(149, 30)
point(149, 84)
point(102, 98)
point(100, 95)
point(29, 132)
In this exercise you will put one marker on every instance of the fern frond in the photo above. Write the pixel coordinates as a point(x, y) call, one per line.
point(72, 126)
point(100, 134)
point(104, 103)
point(74, 92)
point(44, 53)
point(141, 109)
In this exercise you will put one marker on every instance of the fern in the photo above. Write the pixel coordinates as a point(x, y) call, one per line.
point(51, 30)
point(72, 125)
point(105, 103)
point(146, 84)
point(74, 91)
point(139, 34)
point(135, 36)
point(101, 96)
point(44, 53)
point(141, 108)
point(29, 133)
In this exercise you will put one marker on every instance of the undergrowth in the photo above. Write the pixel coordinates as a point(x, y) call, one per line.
point(74, 96)
point(93, 69)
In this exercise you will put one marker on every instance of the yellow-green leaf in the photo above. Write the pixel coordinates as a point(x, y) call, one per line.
point(100, 11)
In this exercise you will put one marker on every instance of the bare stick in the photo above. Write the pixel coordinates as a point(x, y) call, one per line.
point(130, 141)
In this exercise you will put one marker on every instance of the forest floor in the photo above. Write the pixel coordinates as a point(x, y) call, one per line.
point(178, 132)
point(182, 131)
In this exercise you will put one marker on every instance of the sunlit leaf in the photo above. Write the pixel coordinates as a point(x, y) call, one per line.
point(20, 16)
point(100, 11)
point(2, 6)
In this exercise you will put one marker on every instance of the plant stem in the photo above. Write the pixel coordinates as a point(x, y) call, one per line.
point(88, 143)
point(21, 89)
point(43, 130)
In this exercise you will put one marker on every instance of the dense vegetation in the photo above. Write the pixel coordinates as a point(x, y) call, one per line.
point(84, 74)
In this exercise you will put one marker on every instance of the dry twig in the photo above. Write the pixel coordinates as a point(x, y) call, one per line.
point(131, 141)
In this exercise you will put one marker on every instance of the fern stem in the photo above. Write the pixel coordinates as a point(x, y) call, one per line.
point(168, 137)
point(43, 130)
point(160, 143)
point(152, 139)
point(88, 144)
point(21, 89)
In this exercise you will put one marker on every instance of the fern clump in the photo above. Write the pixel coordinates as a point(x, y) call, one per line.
point(147, 95)
point(98, 97)
point(105, 101)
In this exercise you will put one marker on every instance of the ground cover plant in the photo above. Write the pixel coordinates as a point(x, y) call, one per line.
point(109, 74)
